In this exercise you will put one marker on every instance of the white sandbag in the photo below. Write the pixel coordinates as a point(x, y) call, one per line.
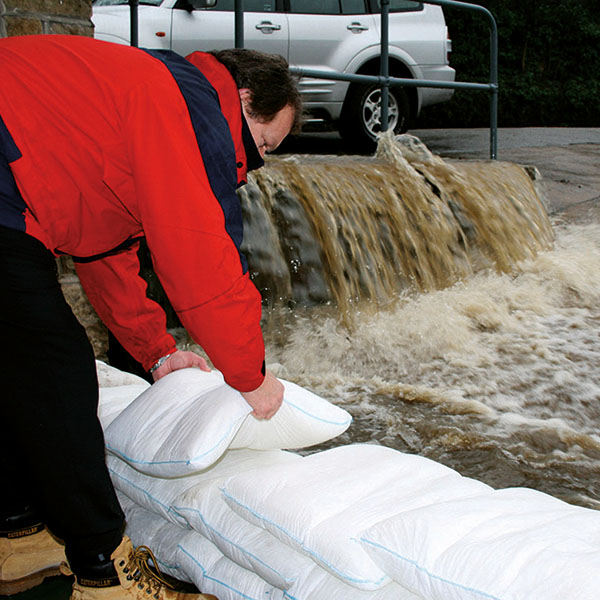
point(152, 493)
point(247, 545)
point(183, 423)
point(109, 376)
point(159, 494)
point(319, 505)
point(113, 400)
point(147, 529)
point(215, 574)
point(511, 544)
point(195, 501)
point(318, 584)
point(193, 558)
point(186, 420)
point(303, 420)
point(188, 556)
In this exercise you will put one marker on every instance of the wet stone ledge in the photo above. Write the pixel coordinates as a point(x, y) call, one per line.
point(85, 314)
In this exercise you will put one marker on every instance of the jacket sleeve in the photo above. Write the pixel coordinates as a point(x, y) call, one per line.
point(185, 216)
point(118, 294)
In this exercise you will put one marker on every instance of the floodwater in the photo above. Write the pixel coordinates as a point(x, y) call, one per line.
point(440, 305)
point(496, 376)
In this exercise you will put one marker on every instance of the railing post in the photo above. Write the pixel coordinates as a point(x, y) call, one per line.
point(385, 65)
point(494, 89)
point(239, 23)
point(493, 85)
point(133, 23)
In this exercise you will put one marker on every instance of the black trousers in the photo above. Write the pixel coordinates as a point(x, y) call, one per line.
point(51, 442)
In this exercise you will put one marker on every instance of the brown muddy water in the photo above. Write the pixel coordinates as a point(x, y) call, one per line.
point(439, 304)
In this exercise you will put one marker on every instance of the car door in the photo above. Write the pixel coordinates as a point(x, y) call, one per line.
point(265, 28)
point(327, 35)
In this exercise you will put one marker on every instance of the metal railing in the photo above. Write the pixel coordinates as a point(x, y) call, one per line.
point(384, 80)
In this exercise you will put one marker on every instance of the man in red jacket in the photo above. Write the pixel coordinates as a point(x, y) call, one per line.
point(101, 145)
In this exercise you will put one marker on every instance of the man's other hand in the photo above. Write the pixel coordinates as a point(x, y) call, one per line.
point(181, 359)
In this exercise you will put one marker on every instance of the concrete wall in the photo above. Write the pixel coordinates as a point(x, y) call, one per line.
point(28, 17)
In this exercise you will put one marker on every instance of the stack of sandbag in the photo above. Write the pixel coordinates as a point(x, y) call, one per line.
point(118, 389)
point(225, 505)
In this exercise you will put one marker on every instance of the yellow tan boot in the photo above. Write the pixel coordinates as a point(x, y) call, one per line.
point(135, 579)
point(27, 557)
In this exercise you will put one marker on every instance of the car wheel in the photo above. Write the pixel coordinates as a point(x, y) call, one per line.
point(360, 122)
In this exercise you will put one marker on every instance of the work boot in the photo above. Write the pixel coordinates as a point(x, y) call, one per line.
point(129, 577)
point(27, 557)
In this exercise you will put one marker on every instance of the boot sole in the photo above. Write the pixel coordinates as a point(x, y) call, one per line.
point(14, 586)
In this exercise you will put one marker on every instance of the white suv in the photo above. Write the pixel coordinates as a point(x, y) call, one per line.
point(328, 35)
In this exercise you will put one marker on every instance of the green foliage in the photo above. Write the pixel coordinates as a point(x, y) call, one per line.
point(548, 65)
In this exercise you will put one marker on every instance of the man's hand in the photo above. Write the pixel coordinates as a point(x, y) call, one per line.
point(267, 398)
point(181, 359)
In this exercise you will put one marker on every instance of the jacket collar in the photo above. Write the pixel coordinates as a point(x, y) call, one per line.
point(246, 152)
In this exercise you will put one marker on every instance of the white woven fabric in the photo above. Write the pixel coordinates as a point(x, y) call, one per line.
point(184, 422)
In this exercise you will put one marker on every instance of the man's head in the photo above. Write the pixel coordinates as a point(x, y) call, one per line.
point(269, 94)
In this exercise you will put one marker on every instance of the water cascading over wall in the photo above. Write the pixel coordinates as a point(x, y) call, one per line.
point(339, 230)
point(346, 229)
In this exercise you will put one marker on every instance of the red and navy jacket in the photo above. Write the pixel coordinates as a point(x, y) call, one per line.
point(101, 144)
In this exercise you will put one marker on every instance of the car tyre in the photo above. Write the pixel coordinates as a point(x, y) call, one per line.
point(360, 121)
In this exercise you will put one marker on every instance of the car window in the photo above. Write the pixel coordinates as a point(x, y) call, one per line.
point(315, 7)
point(249, 5)
point(399, 5)
point(353, 7)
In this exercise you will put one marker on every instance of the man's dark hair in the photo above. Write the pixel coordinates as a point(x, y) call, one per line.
point(267, 76)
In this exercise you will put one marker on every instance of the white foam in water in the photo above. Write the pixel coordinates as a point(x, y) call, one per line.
point(519, 350)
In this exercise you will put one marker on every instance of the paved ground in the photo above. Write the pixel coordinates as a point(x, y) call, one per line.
point(567, 158)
